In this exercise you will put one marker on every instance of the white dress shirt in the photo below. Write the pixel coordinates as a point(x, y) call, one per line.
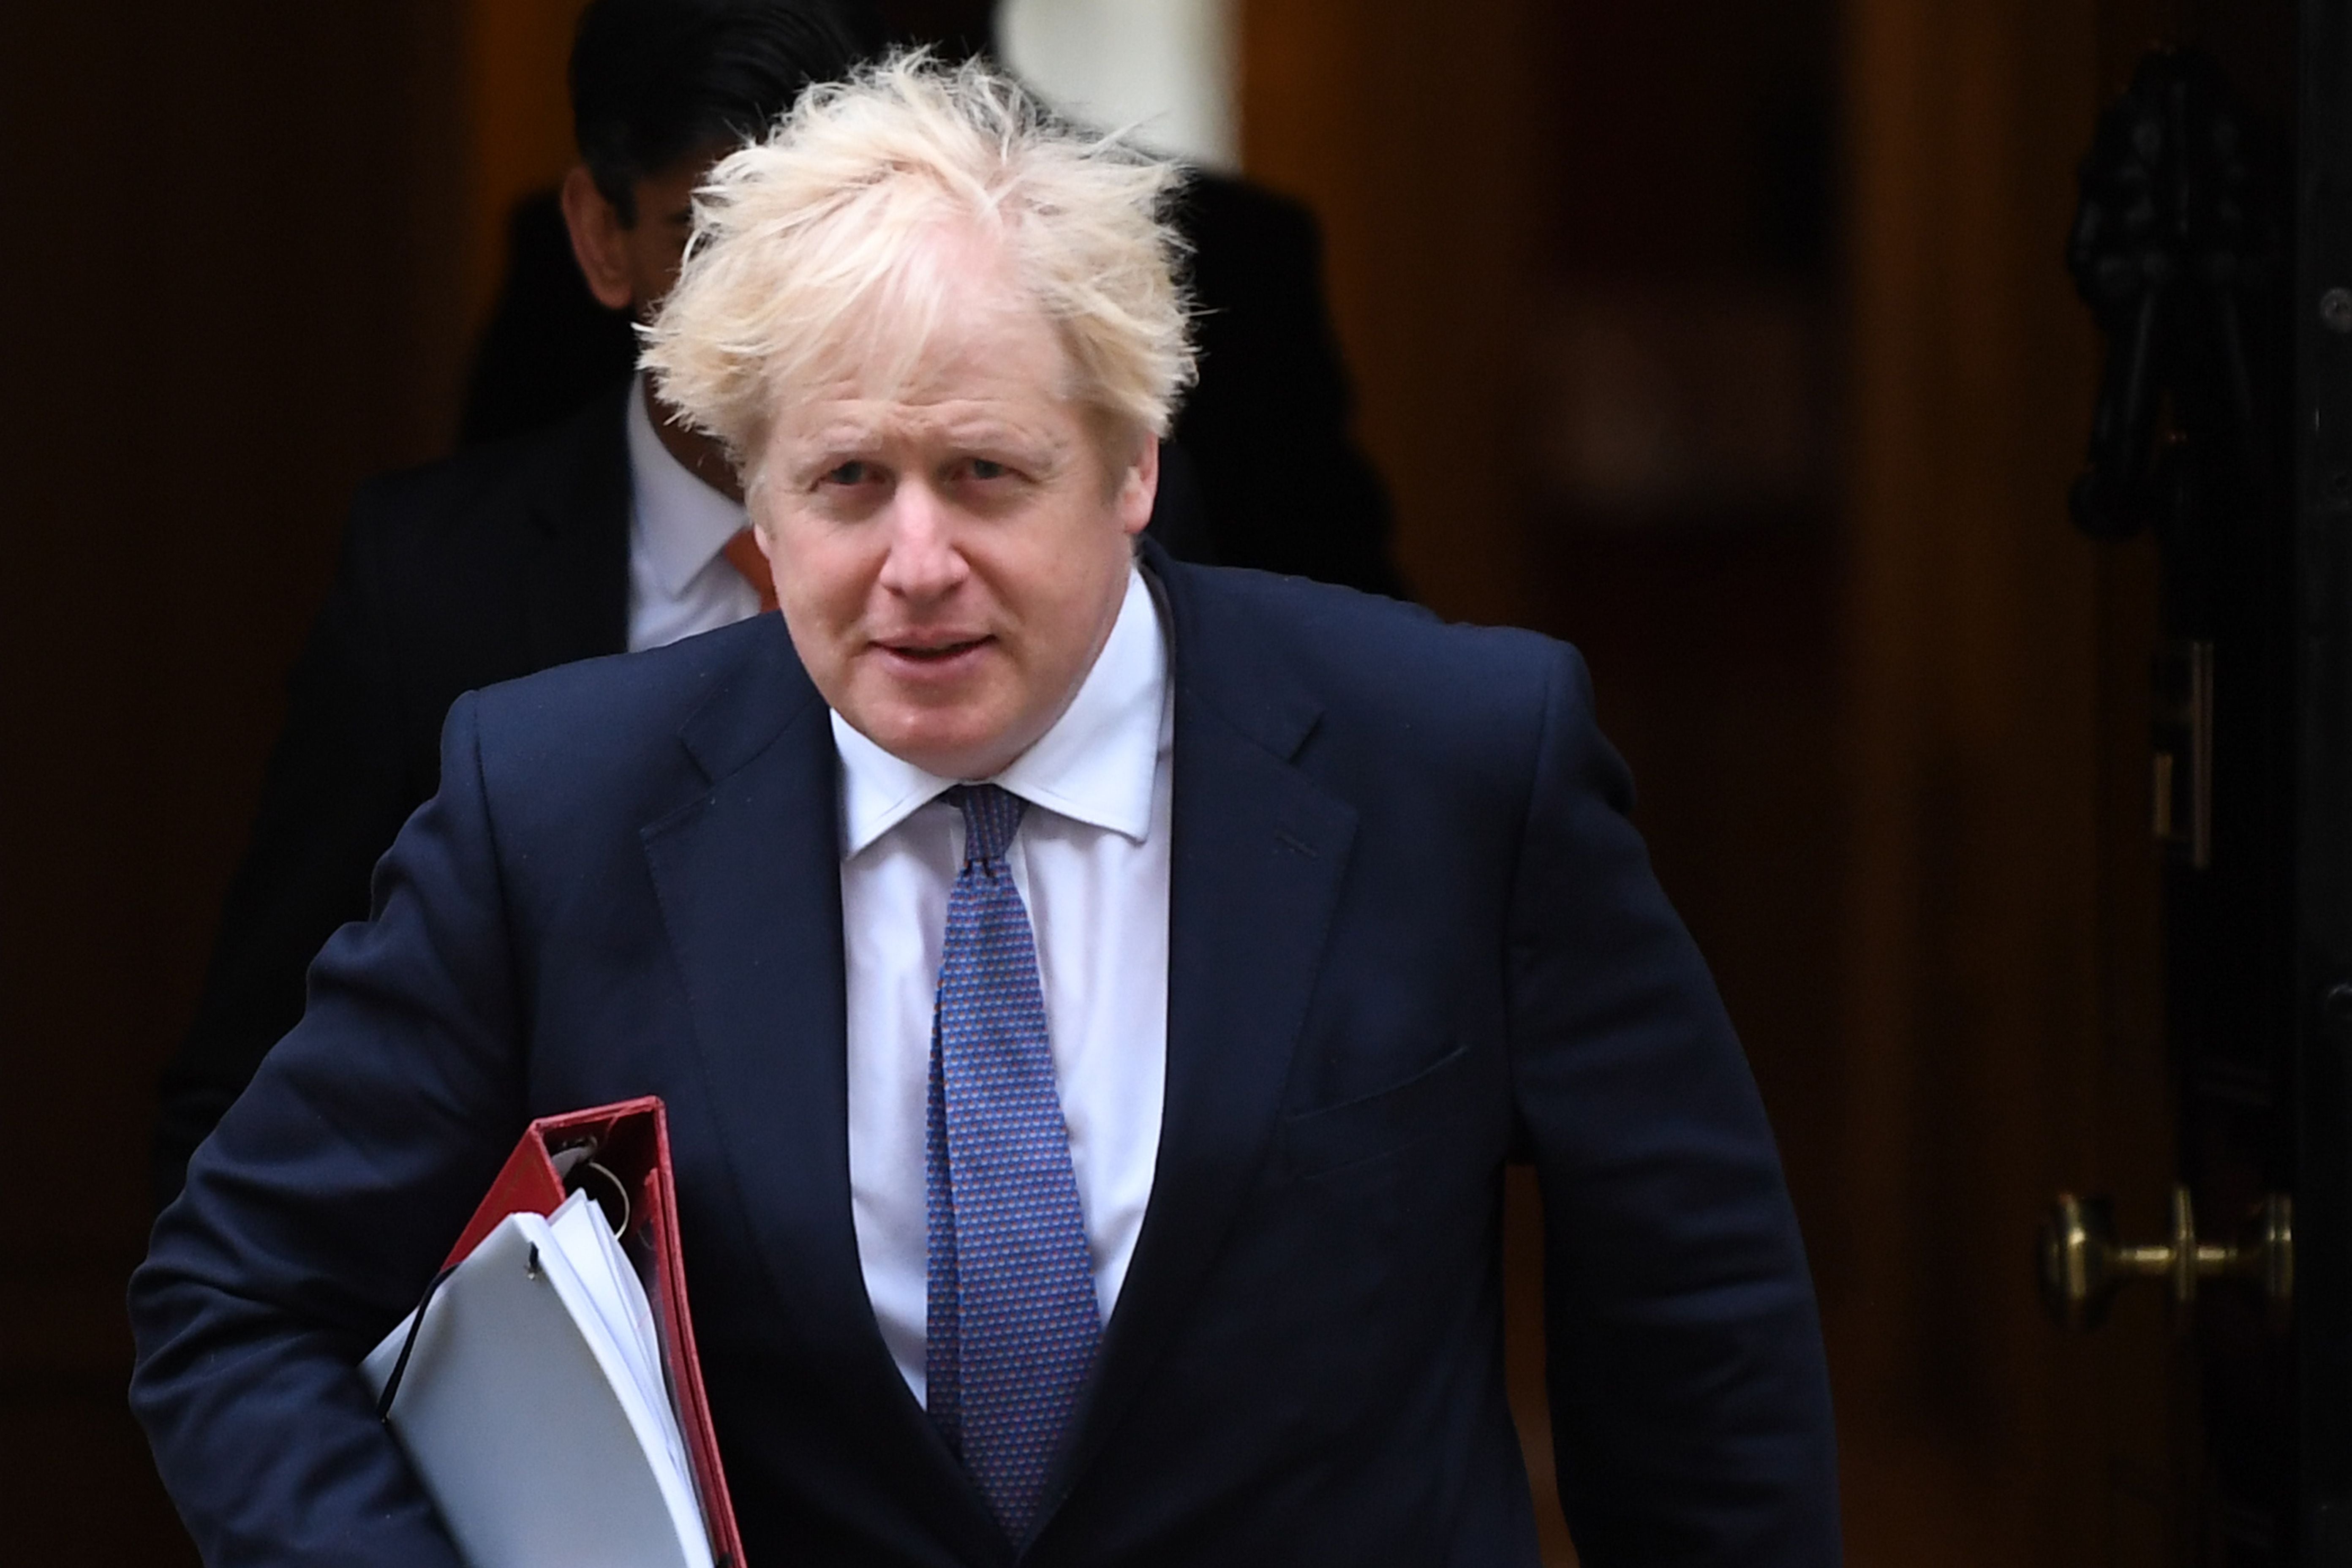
point(679, 583)
point(1091, 862)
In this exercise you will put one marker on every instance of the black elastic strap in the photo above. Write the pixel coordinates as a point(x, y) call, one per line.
point(408, 1346)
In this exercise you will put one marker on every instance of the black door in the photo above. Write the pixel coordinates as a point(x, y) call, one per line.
point(2319, 1030)
point(2214, 244)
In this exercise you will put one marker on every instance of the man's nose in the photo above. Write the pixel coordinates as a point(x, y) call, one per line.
point(923, 563)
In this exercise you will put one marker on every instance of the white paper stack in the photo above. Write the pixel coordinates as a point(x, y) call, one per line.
point(534, 1407)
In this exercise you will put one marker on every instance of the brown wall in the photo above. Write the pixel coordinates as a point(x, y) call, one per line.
point(1973, 1014)
point(518, 114)
point(1409, 128)
point(230, 281)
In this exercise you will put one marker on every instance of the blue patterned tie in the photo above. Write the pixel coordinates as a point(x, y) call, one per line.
point(1012, 1322)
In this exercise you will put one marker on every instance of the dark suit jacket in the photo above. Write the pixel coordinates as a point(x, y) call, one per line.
point(1412, 936)
point(487, 566)
point(490, 564)
point(1284, 485)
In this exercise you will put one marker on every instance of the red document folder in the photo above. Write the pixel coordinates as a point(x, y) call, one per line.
point(629, 1143)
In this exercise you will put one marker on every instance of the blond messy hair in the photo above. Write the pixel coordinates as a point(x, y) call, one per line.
point(838, 245)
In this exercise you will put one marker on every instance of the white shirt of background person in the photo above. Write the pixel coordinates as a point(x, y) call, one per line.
point(681, 582)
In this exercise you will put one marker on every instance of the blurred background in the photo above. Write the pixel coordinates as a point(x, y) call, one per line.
point(1729, 339)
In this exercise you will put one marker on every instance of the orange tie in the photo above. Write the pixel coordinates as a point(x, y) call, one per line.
point(742, 553)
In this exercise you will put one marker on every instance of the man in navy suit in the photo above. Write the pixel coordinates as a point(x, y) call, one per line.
point(1095, 997)
point(576, 534)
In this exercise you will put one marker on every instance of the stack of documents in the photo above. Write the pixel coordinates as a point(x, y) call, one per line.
point(534, 1406)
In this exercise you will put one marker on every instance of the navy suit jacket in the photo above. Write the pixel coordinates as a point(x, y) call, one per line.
point(1413, 936)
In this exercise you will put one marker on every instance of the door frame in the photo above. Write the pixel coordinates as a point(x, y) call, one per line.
point(2324, 862)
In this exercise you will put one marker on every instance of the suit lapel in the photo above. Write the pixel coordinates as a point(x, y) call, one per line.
point(576, 589)
point(749, 877)
point(1258, 854)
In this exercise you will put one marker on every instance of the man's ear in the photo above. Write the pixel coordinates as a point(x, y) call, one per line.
point(596, 242)
point(1138, 487)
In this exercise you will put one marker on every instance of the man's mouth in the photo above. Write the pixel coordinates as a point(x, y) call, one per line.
point(932, 650)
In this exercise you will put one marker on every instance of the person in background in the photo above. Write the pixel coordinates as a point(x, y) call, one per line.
point(1262, 452)
point(616, 528)
point(1095, 997)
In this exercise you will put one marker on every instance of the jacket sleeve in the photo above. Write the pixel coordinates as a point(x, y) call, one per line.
point(315, 1214)
point(338, 787)
point(1690, 1401)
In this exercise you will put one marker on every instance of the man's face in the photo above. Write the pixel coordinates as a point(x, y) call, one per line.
point(654, 245)
point(950, 559)
point(631, 266)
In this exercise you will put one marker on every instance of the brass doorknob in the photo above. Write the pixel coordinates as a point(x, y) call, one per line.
point(2083, 1264)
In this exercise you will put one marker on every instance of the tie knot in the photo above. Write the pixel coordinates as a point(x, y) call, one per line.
point(991, 815)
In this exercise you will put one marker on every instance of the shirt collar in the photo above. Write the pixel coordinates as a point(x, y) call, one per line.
point(682, 523)
point(1095, 765)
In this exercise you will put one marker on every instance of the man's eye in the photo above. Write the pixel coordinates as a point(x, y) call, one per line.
point(988, 469)
point(850, 473)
